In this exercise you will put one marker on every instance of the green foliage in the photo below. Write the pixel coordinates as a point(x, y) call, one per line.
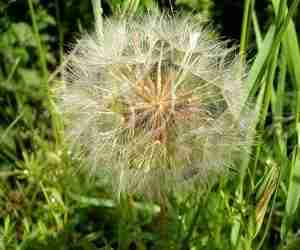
point(21, 98)
point(205, 7)
point(126, 7)
point(46, 203)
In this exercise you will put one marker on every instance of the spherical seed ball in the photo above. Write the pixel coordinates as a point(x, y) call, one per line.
point(155, 104)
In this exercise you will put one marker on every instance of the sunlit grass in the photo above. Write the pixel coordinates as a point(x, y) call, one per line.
point(46, 204)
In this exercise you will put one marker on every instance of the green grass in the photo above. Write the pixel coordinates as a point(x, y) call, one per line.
point(46, 203)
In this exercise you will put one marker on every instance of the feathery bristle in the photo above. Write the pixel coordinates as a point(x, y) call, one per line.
point(156, 102)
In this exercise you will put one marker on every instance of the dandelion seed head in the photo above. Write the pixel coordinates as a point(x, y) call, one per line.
point(155, 104)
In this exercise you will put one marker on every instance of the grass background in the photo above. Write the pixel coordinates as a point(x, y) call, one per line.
point(46, 204)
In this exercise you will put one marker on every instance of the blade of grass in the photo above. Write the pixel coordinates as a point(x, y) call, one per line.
point(277, 111)
point(97, 8)
point(55, 119)
point(270, 75)
point(192, 226)
point(271, 41)
point(257, 31)
point(294, 187)
point(4, 134)
point(245, 28)
point(293, 196)
point(271, 69)
point(292, 54)
point(291, 48)
point(60, 31)
point(13, 70)
point(258, 67)
point(41, 52)
point(129, 7)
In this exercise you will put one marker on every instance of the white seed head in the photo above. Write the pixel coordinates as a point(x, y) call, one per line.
point(156, 104)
